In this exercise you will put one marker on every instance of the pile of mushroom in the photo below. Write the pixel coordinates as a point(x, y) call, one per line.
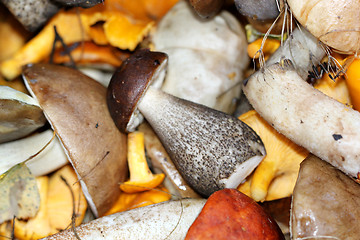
point(164, 120)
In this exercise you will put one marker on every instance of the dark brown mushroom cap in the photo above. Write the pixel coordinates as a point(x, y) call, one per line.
point(130, 82)
point(206, 8)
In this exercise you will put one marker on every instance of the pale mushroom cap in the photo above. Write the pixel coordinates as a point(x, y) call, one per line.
point(75, 106)
point(20, 114)
point(335, 23)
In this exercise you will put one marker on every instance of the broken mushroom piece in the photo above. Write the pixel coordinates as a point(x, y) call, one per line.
point(75, 106)
point(20, 114)
point(211, 150)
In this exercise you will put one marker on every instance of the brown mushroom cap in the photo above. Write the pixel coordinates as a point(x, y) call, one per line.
point(206, 8)
point(128, 85)
point(75, 106)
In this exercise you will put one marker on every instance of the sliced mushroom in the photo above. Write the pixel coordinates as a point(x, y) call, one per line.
point(20, 114)
point(75, 106)
point(212, 150)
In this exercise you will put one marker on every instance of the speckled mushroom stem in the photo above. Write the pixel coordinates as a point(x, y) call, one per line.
point(211, 150)
point(32, 14)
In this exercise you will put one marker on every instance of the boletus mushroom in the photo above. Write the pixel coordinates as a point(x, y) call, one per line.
point(75, 106)
point(211, 150)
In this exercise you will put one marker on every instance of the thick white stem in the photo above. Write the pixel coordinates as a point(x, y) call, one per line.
point(326, 127)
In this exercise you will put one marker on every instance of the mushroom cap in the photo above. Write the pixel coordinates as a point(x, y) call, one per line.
point(128, 85)
point(258, 10)
point(325, 202)
point(335, 23)
point(206, 8)
point(75, 106)
point(20, 114)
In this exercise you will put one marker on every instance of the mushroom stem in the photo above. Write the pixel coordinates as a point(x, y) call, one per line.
point(303, 49)
point(141, 178)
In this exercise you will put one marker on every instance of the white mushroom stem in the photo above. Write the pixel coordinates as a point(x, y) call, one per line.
point(324, 126)
point(50, 159)
point(303, 49)
point(166, 220)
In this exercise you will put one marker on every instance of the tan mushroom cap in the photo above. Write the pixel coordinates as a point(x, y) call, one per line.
point(75, 106)
point(335, 23)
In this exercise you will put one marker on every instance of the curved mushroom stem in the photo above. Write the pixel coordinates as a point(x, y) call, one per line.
point(212, 150)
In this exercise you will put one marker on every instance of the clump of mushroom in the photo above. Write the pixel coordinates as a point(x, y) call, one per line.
point(212, 150)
